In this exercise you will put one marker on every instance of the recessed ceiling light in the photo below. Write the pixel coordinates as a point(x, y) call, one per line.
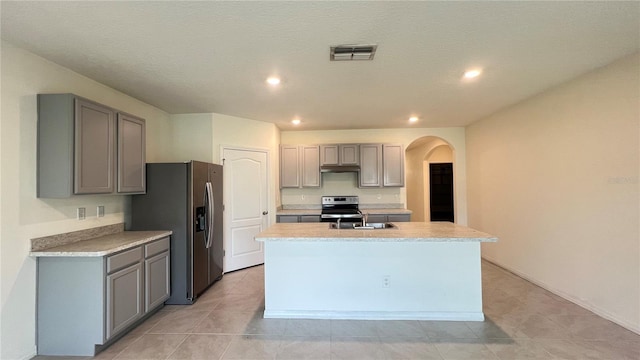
point(470, 74)
point(413, 119)
point(295, 121)
point(273, 81)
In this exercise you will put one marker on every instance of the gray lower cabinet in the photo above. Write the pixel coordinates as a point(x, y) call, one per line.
point(309, 218)
point(83, 150)
point(287, 218)
point(84, 303)
point(124, 298)
point(156, 272)
point(372, 218)
point(297, 218)
point(399, 218)
point(381, 218)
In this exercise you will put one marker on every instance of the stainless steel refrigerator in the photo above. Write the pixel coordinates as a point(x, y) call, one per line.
point(187, 199)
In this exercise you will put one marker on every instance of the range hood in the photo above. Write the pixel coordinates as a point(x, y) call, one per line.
point(339, 168)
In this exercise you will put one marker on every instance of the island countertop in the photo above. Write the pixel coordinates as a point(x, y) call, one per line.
point(103, 245)
point(404, 231)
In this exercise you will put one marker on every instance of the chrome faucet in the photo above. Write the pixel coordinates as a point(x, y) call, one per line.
point(364, 218)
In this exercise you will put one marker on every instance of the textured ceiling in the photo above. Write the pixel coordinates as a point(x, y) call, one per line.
point(193, 57)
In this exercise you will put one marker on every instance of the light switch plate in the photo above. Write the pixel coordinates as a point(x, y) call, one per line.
point(100, 211)
point(82, 213)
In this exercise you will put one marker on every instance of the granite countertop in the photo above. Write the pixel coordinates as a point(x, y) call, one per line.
point(392, 211)
point(405, 231)
point(298, 212)
point(103, 245)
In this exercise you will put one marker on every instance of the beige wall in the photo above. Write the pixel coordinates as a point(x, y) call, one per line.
point(441, 154)
point(556, 179)
point(417, 177)
point(23, 216)
point(335, 182)
point(201, 136)
point(191, 138)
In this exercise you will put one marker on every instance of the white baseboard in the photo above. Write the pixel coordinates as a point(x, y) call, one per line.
point(374, 315)
point(29, 356)
point(594, 309)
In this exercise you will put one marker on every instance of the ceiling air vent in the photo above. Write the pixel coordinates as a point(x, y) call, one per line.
point(352, 52)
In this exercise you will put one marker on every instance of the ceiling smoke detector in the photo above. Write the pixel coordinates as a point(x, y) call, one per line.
point(352, 52)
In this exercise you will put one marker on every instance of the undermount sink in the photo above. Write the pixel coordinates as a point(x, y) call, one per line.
point(358, 226)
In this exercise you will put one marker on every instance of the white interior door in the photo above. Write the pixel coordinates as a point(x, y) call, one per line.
point(245, 199)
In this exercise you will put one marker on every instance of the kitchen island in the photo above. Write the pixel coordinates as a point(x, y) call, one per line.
point(415, 271)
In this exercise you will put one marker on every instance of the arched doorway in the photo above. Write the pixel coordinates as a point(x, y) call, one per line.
point(420, 156)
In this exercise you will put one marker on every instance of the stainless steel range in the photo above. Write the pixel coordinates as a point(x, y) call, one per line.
point(342, 208)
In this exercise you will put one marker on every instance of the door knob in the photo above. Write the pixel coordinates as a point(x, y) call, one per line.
point(265, 212)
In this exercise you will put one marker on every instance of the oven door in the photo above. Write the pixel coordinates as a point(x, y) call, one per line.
point(333, 217)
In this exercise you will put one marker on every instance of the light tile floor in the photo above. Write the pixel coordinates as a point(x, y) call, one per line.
point(523, 322)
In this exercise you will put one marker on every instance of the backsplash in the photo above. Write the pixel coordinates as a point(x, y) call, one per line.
point(343, 184)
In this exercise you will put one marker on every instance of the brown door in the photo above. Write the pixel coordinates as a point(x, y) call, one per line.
point(441, 191)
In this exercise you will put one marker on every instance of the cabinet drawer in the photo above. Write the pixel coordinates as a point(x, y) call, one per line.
point(287, 218)
point(399, 217)
point(123, 259)
point(376, 218)
point(156, 247)
point(309, 218)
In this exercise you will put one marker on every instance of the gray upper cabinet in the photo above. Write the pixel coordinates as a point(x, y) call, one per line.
point(329, 155)
point(299, 166)
point(381, 165)
point(289, 166)
point(339, 154)
point(370, 165)
point(94, 148)
point(131, 154)
point(393, 165)
point(349, 154)
point(310, 164)
point(81, 149)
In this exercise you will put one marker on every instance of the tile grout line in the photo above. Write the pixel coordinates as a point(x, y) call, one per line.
point(177, 347)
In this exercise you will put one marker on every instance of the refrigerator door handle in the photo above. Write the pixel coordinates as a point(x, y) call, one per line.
point(209, 204)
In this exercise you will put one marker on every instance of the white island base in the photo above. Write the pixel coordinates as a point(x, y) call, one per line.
point(381, 278)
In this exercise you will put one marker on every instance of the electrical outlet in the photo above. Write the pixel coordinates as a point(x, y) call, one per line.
point(100, 211)
point(82, 213)
point(386, 281)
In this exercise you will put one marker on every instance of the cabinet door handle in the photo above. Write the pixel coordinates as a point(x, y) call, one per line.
point(265, 212)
